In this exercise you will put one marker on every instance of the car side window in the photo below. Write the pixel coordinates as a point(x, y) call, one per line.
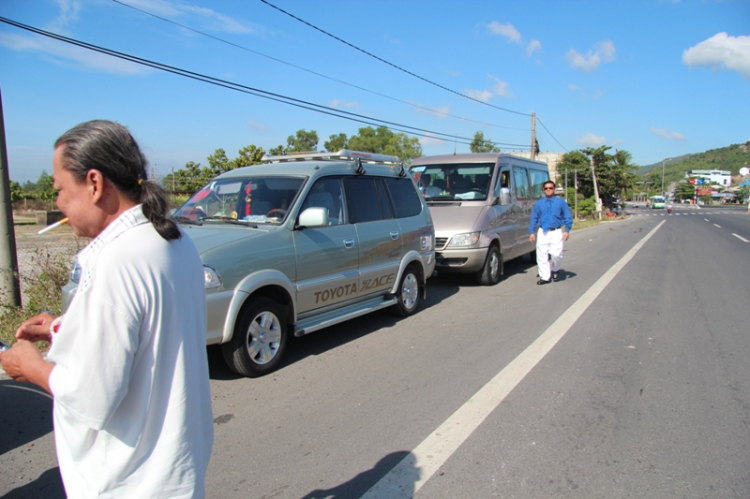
point(362, 199)
point(405, 198)
point(383, 202)
point(326, 193)
point(521, 180)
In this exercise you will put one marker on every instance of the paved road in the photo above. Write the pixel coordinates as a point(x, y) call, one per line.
point(628, 378)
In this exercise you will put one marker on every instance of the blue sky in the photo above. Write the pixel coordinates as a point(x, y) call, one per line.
point(656, 78)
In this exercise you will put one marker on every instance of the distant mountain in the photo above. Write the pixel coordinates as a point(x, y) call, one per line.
point(730, 158)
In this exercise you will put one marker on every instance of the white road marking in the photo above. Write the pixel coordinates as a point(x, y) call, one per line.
point(717, 225)
point(740, 237)
point(440, 445)
point(705, 219)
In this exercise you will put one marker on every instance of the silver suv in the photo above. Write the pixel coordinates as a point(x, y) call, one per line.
point(304, 242)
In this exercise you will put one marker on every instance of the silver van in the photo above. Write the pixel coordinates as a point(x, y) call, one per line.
point(481, 206)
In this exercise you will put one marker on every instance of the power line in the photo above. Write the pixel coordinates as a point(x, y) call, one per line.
point(390, 63)
point(321, 75)
point(550, 134)
point(246, 89)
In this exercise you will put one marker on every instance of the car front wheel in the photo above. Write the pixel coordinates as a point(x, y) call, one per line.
point(259, 340)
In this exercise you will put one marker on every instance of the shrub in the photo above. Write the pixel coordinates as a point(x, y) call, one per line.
point(41, 290)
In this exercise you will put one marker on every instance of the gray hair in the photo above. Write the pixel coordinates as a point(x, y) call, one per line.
point(108, 147)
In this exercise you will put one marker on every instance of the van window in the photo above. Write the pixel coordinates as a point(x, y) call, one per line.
point(503, 181)
point(326, 193)
point(538, 178)
point(521, 180)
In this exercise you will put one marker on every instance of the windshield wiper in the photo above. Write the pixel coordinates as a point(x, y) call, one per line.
point(186, 220)
point(231, 220)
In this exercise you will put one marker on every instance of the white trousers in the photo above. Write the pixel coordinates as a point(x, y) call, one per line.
point(548, 244)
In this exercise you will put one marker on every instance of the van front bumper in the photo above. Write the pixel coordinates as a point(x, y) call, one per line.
point(460, 260)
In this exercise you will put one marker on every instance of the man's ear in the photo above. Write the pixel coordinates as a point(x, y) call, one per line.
point(95, 183)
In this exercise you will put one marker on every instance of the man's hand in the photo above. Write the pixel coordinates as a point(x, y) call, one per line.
point(24, 362)
point(532, 238)
point(566, 235)
point(36, 328)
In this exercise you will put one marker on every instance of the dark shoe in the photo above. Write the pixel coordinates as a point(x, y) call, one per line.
point(555, 276)
point(542, 281)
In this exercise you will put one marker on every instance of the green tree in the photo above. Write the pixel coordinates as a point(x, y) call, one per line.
point(16, 192)
point(336, 142)
point(218, 162)
point(384, 141)
point(44, 189)
point(613, 172)
point(249, 156)
point(480, 144)
point(302, 141)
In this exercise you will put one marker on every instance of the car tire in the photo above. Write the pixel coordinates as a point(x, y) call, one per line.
point(259, 340)
point(409, 293)
point(491, 271)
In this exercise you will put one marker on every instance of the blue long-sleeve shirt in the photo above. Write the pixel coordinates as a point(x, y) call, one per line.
point(556, 212)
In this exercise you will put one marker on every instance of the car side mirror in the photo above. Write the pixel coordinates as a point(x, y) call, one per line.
point(504, 198)
point(314, 217)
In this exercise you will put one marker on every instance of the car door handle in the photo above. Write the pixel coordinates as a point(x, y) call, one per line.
point(349, 243)
point(394, 235)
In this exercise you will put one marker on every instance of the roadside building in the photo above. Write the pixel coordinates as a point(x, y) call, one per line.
point(721, 177)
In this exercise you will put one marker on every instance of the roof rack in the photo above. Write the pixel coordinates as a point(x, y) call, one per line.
point(343, 154)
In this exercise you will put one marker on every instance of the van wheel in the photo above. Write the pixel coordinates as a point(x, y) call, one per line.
point(407, 296)
point(490, 273)
point(259, 339)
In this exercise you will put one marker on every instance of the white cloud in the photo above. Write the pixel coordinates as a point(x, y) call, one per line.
point(666, 134)
point(507, 30)
point(454, 73)
point(215, 20)
point(591, 140)
point(501, 87)
point(340, 103)
point(482, 95)
point(257, 126)
point(62, 53)
point(583, 93)
point(430, 141)
point(533, 46)
point(721, 51)
point(604, 51)
point(68, 13)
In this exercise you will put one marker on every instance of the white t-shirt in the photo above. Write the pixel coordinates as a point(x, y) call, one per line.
point(132, 402)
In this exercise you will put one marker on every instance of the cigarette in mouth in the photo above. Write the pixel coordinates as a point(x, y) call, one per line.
point(53, 226)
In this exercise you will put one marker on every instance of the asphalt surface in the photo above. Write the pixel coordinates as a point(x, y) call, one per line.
point(644, 395)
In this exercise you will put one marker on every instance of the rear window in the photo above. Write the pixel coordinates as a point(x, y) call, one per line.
point(405, 199)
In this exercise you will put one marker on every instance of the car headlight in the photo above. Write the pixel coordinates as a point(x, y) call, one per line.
point(211, 278)
point(464, 240)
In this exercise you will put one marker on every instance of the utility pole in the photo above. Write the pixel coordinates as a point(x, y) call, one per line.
point(596, 189)
point(533, 136)
point(10, 285)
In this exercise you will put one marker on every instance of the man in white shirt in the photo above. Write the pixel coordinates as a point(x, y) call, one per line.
point(128, 368)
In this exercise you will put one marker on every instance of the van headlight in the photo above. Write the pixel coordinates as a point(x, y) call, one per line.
point(211, 278)
point(464, 240)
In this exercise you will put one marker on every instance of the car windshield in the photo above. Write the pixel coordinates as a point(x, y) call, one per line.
point(449, 182)
point(243, 199)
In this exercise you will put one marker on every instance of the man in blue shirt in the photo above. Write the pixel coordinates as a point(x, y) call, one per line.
point(551, 216)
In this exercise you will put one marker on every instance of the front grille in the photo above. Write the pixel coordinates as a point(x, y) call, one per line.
point(440, 242)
